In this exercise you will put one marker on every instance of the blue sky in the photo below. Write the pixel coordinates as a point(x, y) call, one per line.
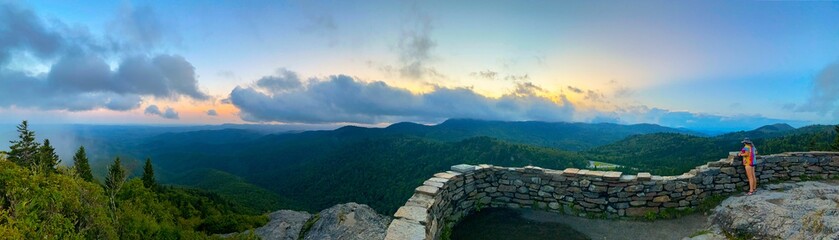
point(696, 64)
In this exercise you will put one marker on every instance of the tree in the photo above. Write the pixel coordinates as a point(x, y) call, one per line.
point(835, 145)
point(148, 175)
point(113, 183)
point(47, 159)
point(82, 166)
point(24, 151)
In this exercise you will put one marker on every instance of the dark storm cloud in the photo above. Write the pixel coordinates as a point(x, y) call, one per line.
point(79, 78)
point(345, 99)
point(169, 113)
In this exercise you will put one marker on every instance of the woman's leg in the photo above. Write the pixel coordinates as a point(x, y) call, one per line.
point(750, 173)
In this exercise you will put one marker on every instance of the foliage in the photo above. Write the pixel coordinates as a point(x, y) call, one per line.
point(82, 165)
point(63, 205)
point(673, 153)
point(56, 206)
point(113, 183)
point(699, 233)
point(24, 151)
point(47, 160)
point(835, 145)
point(253, 199)
point(148, 175)
point(359, 172)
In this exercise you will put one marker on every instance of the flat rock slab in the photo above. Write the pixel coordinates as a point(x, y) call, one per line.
point(403, 230)
point(349, 221)
point(414, 213)
point(805, 210)
point(463, 168)
point(282, 225)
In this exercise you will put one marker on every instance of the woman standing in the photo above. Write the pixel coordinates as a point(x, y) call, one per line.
point(749, 153)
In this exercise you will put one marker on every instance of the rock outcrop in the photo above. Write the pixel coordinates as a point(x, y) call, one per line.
point(349, 221)
point(282, 225)
point(805, 210)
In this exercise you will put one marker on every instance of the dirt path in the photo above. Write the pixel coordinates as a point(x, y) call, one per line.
point(618, 229)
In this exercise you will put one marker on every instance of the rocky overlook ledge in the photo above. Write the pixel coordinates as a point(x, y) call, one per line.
point(448, 196)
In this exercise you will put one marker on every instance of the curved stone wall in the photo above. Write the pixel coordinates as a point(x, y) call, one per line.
point(449, 196)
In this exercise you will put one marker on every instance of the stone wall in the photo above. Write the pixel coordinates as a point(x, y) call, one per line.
point(449, 196)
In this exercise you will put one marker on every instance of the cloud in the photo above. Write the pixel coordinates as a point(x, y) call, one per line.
point(415, 45)
point(140, 27)
point(825, 93)
point(524, 77)
point(169, 113)
point(344, 99)
point(620, 91)
point(488, 74)
point(574, 89)
point(492, 75)
point(212, 112)
point(21, 30)
point(283, 80)
point(79, 78)
point(697, 121)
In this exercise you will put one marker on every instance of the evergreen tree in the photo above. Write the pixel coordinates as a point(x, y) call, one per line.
point(835, 145)
point(47, 159)
point(148, 175)
point(24, 151)
point(82, 166)
point(113, 183)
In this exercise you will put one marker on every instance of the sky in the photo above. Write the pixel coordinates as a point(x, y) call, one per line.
point(713, 65)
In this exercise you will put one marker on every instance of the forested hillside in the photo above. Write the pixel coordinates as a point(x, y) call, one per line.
point(671, 153)
point(313, 170)
point(39, 199)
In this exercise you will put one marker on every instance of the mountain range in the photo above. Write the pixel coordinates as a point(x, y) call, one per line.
point(313, 170)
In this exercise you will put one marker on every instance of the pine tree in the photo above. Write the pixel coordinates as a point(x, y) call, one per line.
point(113, 183)
point(82, 166)
point(148, 175)
point(835, 145)
point(47, 159)
point(24, 152)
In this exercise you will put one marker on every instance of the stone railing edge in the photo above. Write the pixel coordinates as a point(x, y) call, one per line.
point(414, 220)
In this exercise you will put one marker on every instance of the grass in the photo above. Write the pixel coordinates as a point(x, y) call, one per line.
point(308, 226)
point(699, 233)
point(739, 236)
point(710, 202)
point(705, 206)
point(446, 233)
point(478, 206)
point(813, 222)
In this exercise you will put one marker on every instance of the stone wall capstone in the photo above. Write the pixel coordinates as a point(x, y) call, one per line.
point(447, 197)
